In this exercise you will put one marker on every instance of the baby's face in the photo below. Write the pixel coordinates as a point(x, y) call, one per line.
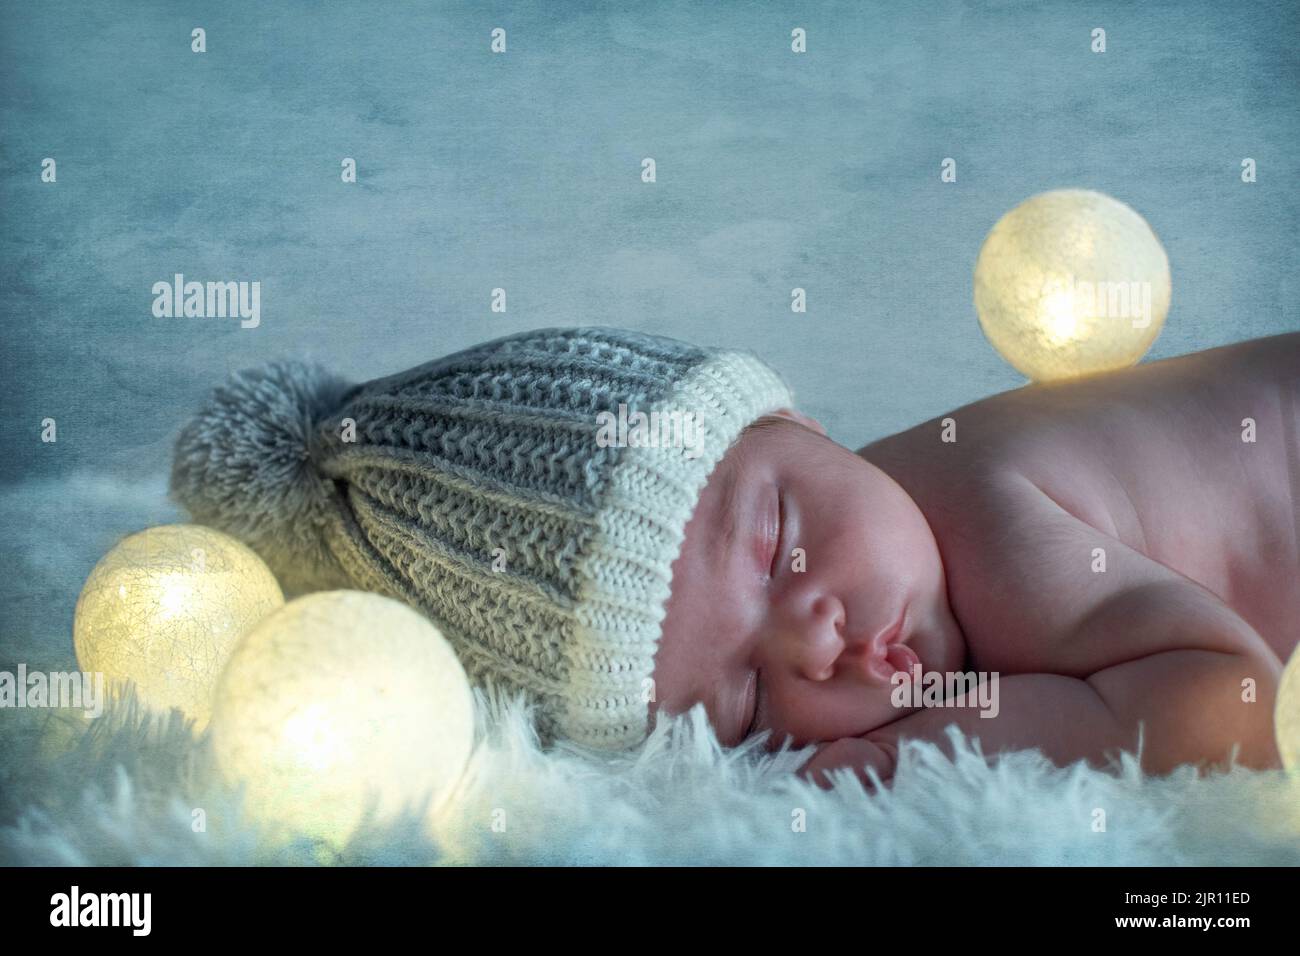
point(800, 559)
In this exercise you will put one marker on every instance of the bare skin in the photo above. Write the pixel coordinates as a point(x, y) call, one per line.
point(987, 547)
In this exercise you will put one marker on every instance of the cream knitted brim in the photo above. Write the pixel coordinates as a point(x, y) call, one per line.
point(628, 572)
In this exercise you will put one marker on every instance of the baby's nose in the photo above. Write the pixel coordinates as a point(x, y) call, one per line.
point(820, 637)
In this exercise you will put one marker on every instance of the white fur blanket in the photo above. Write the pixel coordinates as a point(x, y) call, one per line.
point(122, 789)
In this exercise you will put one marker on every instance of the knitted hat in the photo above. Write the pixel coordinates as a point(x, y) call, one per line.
point(529, 495)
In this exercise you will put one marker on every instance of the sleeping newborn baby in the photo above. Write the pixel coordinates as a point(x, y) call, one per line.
point(1114, 557)
point(1090, 567)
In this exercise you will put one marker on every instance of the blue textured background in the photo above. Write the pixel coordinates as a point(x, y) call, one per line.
point(522, 170)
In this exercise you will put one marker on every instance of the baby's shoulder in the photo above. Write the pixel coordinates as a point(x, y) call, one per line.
point(1026, 575)
point(965, 469)
point(1026, 561)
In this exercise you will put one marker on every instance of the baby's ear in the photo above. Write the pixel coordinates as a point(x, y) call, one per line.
point(806, 420)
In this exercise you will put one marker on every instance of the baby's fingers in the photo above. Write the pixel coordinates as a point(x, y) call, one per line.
point(854, 753)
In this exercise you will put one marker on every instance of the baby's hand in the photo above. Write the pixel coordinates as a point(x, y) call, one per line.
point(856, 753)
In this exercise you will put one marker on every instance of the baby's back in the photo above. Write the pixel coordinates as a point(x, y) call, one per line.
point(1192, 462)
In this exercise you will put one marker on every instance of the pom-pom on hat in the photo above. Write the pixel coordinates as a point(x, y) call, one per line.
point(529, 495)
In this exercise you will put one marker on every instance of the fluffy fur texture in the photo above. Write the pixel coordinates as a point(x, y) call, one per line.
point(121, 790)
point(242, 464)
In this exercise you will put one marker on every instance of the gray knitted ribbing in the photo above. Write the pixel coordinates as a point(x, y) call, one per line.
point(493, 449)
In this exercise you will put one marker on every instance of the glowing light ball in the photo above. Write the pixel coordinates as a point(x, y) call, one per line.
point(165, 608)
point(1069, 283)
point(1286, 714)
point(341, 702)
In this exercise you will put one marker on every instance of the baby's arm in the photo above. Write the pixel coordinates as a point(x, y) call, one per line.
point(1191, 701)
point(1062, 715)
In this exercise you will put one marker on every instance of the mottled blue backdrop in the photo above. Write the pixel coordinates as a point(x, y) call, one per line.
point(522, 170)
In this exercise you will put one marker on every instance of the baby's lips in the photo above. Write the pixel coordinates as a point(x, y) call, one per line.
point(889, 654)
point(894, 658)
point(901, 657)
